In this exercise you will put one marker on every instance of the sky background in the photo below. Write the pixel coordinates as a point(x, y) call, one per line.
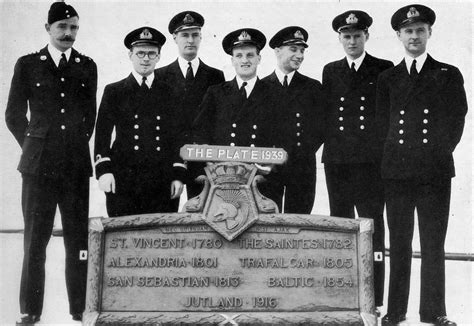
point(104, 24)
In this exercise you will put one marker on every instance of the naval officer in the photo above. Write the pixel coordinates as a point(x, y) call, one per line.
point(189, 78)
point(301, 120)
point(350, 164)
point(57, 85)
point(140, 171)
point(239, 112)
point(421, 107)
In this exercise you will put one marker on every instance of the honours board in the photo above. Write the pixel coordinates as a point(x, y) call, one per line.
point(175, 265)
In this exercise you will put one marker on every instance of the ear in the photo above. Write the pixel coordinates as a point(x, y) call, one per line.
point(174, 37)
point(429, 31)
point(259, 57)
point(340, 37)
point(130, 53)
point(47, 27)
point(398, 35)
point(367, 35)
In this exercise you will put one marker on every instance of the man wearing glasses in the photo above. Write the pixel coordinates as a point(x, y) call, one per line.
point(140, 172)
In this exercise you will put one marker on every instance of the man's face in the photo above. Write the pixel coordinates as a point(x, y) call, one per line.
point(414, 38)
point(188, 42)
point(63, 33)
point(140, 57)
point(289, 57)
point(245, 60)
point(353, 42)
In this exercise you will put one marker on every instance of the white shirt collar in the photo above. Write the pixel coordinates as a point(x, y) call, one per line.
point(420, 61)
point(281, 76)
point(183, 65)
point(357, 61)
point(56, 54)
point(250, 84)
point(139, 78)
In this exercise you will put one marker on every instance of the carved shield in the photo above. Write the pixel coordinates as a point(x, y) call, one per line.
point(230, 207)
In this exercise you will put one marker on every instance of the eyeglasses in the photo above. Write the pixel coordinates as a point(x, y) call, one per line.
point(151, 55)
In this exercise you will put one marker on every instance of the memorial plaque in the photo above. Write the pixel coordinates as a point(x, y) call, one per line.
point(230, 259)
point(284, 270)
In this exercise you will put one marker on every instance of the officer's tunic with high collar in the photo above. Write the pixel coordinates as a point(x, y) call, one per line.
point(55, 165)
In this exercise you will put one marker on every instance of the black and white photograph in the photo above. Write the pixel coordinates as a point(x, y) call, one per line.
point(236, 162)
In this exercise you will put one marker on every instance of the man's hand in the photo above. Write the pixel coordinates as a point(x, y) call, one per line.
point(107, 182)
point(176, 189)
point(264, 169)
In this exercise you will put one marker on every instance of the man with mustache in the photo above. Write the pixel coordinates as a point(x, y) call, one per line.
point(140, 172)
point(421, 107)
point(351, 165)
point(239, 112)
point(189, 78)
point(57, 87)
point(301, 121)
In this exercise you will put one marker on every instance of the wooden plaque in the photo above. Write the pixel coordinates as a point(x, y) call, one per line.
point(174, 269)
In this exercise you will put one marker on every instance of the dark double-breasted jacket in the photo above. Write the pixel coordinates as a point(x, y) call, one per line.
point(300, 121)
point(147, 132)
point(350, 113)
point(62, 107)
point(225, 118)
point(420, 120)
point(189, 96)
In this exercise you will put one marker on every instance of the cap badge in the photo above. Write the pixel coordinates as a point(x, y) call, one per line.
point(299, 35)
point(188, 19)
point(43, 57)
point(146, 35)
point(412, 12)
point(352, 19)
point(244, 36)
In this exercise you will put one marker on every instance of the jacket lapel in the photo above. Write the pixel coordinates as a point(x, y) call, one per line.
point(344, 75)
point(425, 78)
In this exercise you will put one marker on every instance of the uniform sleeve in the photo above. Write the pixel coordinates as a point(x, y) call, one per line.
point(220, 77)
point(326, 88)
point(455, 96)
point(382, 115)
point(91, 111)
point(319, 116)
point(17, 106)
point(180, 138)
point(202, 127)
point(103, 133)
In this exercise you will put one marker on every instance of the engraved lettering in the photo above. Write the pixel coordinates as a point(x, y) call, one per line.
point(290, 282)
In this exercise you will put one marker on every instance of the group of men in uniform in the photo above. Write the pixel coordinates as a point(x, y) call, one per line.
point(383, 128)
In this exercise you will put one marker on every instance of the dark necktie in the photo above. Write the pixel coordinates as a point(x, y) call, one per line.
point(243, 92)
point(62, 62)
point(144, 86)
point(285, 81)
point(189, 73)
point(413, 71)
point(353, 68)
